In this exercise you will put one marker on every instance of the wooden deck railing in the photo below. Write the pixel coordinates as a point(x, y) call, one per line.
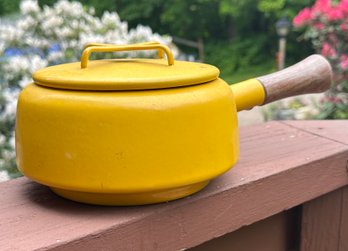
point(287, 192)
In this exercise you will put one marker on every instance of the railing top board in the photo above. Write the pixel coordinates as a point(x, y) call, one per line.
point(282, 164)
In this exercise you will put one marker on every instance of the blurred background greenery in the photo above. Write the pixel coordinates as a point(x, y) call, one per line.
point(239, 37)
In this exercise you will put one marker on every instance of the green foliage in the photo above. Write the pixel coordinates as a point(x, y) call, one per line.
point(100, 6)
point(210, 20)
point(189, 19)
point(238, 8)
point(292, 7)
point(224, 21)
point(279, 8)
point(235, 8)
point(239, 54)
point(8, 6)
point(267, 6)
point(248, 72)
point(330, 110)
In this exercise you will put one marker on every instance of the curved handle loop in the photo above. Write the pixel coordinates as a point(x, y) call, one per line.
point(98, 47)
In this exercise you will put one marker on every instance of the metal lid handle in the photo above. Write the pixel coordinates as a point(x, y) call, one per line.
point(97, 47)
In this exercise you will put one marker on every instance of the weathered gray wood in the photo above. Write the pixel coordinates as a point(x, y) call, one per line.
point(280, 167)
point(311, 75)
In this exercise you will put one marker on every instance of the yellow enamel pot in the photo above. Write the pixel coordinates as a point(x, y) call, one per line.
point(140, 131)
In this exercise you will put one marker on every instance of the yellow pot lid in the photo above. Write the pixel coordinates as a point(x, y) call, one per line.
point(125, 74)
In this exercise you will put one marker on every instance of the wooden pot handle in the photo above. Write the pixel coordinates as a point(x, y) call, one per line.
point(311, 75)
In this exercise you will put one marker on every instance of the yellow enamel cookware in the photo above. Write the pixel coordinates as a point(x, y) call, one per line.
point(140, 131)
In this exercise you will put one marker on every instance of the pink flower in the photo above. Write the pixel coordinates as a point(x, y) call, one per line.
point(344, 62)
point(319, 26)
point(322, 6)
point(334, 14)
point(331, 99)
point(302, 17)
point(328, 51)
point(344, 27)
point(343, 6)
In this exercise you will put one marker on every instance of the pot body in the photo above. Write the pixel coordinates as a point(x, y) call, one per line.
point(126, 147)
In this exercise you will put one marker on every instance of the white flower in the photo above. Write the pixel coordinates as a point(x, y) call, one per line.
point(26, 23)
point(29, 6)
point(12, 142)
point(7, 154)
point(22, 66)
point(37, 63)
point(36, 42)
point(55, 56)
point(75, 24)
point(91, 38)
point(2, 139)
point(91, 11)
point(11, 97)
point(140, 33)
point(62, 6)
point(4, 176)
point(77, 9)
point(48, 12)
point(2, 47)
point(24, 82)
point(17, 64)
point(51, 22)
point(110, 18)
point(9, 33)
point(64, 32)
point(72, 9)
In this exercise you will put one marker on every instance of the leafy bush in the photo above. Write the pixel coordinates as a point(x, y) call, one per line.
point(239, 54)
point(45, 36)
point(326, 25)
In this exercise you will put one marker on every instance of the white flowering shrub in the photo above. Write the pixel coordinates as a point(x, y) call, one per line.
point(50, 35)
